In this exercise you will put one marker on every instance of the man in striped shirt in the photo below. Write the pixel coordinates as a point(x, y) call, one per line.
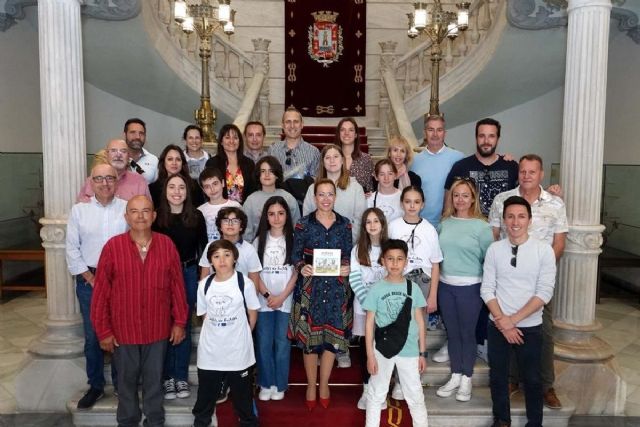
point(139, 302)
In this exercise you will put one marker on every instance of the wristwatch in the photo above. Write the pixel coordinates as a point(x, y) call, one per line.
point(425, 354)
point(266, 295)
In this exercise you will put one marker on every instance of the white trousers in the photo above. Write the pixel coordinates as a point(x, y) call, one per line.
point(411, 388)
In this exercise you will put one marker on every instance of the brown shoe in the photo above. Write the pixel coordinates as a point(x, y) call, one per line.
point(513, 389)
point(550, 399)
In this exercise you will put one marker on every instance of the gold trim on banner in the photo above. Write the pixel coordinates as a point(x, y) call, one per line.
point(329, 109)
point(358, 77)
point(292, 72)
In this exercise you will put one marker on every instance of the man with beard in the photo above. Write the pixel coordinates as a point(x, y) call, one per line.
point(128, 184)
point(491, 172)
point(142, 161)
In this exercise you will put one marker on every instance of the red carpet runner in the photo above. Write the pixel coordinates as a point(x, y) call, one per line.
point(292, 412)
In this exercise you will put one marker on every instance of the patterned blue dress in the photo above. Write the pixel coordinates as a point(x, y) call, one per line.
point(319, 317)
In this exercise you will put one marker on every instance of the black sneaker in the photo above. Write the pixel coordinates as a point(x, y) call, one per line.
point(90, 398)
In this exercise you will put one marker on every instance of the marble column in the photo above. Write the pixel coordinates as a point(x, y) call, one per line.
point(585, 369)
point(55, 370)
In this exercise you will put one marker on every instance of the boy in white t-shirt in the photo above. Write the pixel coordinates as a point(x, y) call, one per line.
point(229, 303)
point(231, 223)
point(212, 183)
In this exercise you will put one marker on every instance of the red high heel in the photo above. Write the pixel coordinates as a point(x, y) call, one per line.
point(310, 404)
point(325, 402)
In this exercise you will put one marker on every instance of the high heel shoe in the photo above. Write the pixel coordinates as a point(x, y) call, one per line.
point(325, 402)
point(310, 404)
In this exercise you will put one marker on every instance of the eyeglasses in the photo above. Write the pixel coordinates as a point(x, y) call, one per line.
point(465, 179)
point(288, 153)
point(99, 179)
point(266, 172)
point(514, 252)
point(231, 221)
point(118, 150)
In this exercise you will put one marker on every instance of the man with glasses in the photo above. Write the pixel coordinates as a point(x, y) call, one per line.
point(491, 172)
point(89, 227)
point(518, 280)
point(128, 184)
point(298, 158)
point(549, 224)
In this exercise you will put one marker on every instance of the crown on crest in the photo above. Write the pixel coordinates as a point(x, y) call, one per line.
point(325, 16)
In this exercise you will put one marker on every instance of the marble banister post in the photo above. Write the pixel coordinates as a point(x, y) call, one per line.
point(585, 369)
point(55, 369)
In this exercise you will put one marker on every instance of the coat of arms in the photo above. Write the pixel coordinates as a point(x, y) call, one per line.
point(325, 38)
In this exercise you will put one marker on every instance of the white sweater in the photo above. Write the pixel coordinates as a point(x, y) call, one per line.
point(513, 287)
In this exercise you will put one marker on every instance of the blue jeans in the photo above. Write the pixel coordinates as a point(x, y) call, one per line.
point(92, 351)
point(528, 356)
point(274, 349)
point(176, 364)
point(460, 307)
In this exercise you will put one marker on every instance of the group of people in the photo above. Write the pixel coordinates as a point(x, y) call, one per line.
point(435, 240)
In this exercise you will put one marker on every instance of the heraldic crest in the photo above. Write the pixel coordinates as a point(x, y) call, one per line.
point(325, 38)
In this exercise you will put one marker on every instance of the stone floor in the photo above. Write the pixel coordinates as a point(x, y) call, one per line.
point(22, 317)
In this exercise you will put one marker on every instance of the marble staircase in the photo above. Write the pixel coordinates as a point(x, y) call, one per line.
point(442, 412)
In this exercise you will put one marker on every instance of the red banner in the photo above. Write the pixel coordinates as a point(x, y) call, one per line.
point(325, 55)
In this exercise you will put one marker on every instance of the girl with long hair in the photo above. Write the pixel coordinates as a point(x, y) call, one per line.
point(274, 243)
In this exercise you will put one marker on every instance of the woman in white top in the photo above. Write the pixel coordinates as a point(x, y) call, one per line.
point(350, 201)
point(274, 243)
point(387, 196)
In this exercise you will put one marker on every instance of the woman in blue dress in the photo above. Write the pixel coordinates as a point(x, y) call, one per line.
point(320, 322)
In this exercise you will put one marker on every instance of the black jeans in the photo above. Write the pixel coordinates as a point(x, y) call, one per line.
point(528, 356)
point(211, 384)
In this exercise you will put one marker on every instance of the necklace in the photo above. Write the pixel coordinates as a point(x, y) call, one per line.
point(144, 247)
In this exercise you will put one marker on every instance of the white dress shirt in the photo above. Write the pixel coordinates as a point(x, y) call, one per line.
point(89, 227)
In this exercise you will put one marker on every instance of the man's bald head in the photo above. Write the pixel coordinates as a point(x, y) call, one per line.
point(118, 154)
point(103, 182)
point(140, 214)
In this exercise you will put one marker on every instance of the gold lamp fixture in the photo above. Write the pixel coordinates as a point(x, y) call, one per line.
point(205, 18)
point(438, 24)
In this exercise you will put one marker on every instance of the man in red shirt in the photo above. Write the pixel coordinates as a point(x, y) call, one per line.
point(138, 302)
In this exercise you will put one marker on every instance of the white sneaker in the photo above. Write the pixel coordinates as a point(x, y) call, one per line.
point(464, 392)
point(214, 420)
point(396, 393)
point(451, 386)
point(275, 394)
point(265, 393)
point(344, 360)
point(182, 389)
point(362, 402)
point(442, 355)
point(483, 352)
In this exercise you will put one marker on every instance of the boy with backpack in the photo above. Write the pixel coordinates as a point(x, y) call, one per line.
point(229, 303)
point(395, 336)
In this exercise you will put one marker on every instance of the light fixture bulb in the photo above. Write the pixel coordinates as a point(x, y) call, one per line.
point(420, 16)
point(188, 25)
point(463, 19)
point(224, 12)
point(179, 11)
point(452, 30)
point(413, 32)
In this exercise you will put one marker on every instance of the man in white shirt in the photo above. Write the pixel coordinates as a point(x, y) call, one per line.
point(89, 227)
point(549, 224)
point(141, 161)
point(518, 280)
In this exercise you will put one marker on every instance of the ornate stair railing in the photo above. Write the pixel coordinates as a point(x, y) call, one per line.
point(234, 74)
point(408, 77)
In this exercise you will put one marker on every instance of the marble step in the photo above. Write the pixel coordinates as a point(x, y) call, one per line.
point(436, 374)
point(442, 412)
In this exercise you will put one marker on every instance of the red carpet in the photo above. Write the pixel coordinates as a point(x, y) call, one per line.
point(292, 412)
